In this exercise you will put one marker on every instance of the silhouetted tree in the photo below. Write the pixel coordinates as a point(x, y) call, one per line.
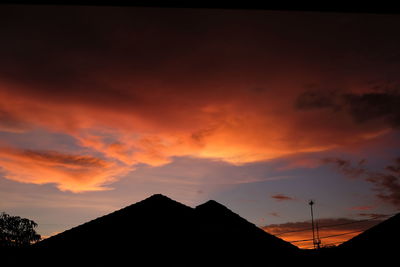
point(16, 231)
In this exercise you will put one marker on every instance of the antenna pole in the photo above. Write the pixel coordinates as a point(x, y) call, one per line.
point(318, 240)
point(311, 203)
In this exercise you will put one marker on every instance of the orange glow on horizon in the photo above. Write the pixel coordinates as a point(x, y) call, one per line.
point(332, 232)
point(337, 240)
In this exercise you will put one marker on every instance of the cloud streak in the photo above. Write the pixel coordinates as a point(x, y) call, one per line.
point(75, 173)
point(281, 197)
point(345, 166)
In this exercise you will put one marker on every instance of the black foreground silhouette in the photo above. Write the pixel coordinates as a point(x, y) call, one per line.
point(159, 231)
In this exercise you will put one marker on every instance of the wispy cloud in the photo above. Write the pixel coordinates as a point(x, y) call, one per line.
point(386, 182)
point(69, 172)
point(281, 197)
point(346, 167)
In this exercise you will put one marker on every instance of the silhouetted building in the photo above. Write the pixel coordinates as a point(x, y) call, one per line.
point(159, 231)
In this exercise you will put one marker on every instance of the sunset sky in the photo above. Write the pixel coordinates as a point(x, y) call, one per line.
point(101, 107)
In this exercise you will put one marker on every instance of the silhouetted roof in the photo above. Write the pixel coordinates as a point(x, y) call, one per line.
point(159, 229)
point(379, 237)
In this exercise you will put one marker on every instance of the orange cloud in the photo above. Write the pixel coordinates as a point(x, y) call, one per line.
point(234, 130)
point(208, 93)
point(75, 173)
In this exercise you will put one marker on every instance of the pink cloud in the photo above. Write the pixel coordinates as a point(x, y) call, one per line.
point(281, 197)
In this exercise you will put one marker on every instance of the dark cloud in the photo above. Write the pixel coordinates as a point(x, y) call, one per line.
point(370, 106)
point(386, 183)
point(389, 187)
point(281, 197)
point(70, 52)
point(62, 53)
point(362, 107)
point(394, 168)
point(317, 99)
point(346, 167)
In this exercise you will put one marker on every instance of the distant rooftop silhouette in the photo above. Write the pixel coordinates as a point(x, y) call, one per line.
point(379, 237)
point(176, 233)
